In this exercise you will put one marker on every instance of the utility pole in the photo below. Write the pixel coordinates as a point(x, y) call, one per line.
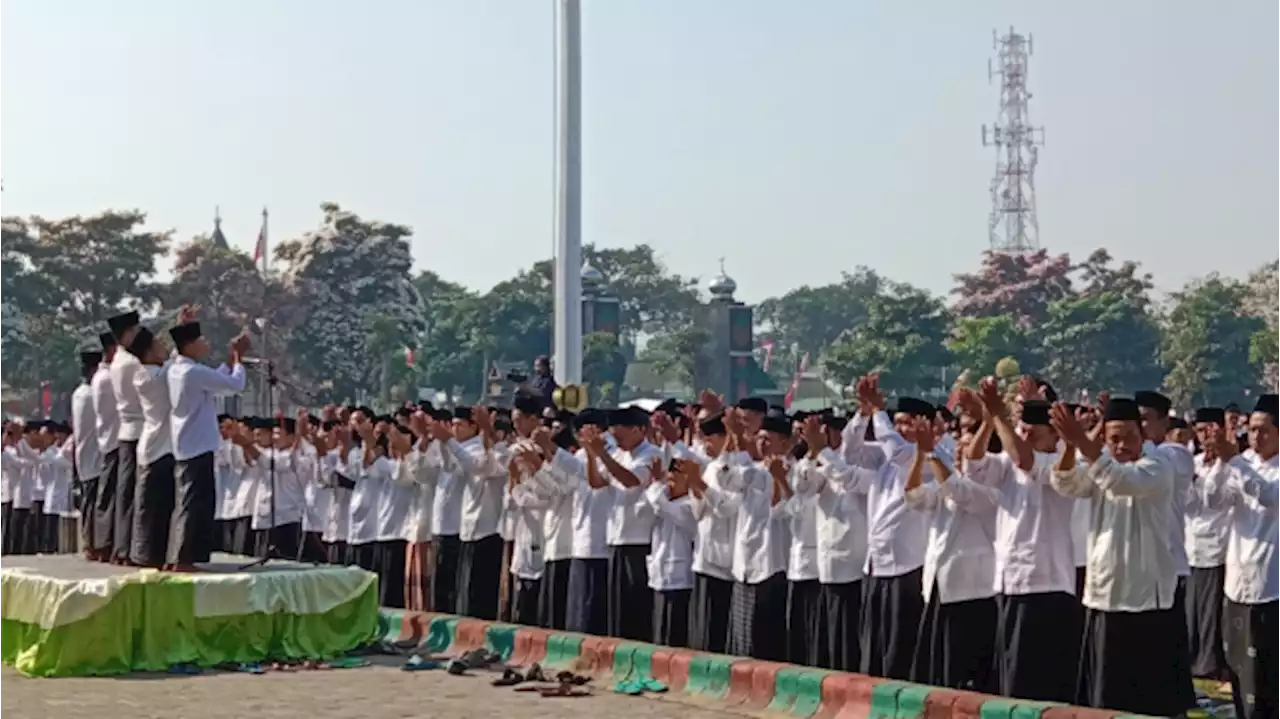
point(568, 225)
point(1012, 224)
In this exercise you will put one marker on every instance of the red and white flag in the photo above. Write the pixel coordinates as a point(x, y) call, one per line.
point(768, 355)
point(795, 383)
point(408, 356)
point(260, 248)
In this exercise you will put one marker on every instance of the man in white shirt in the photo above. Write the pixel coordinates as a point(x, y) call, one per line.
point(84, 424)
point(1126, 659)
point(712, 598)
point(192, 387)
point(1249, 485)
point(481, 462)
point(124, 366)
point(1207, 532)
point(587, 609)
point(153, 501)
point(107, 415)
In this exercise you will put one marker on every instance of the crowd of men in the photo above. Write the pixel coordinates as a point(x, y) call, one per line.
point(1099, 555)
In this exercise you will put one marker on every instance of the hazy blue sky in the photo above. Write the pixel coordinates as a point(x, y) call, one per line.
point(799, 138)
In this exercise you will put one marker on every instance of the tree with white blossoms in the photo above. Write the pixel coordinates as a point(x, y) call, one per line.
point(346, 279)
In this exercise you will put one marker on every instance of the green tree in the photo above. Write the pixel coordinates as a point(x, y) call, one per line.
point(1207, 341)
point(450, 347)
point(1106, 341)
point(603, 366)
point(809, 319)
point(903, 338)
point(681, 353)
point(978, 343)
point(1020, 285)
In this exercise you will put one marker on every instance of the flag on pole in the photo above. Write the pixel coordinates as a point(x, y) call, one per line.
point(768, 354)
point(260, 248)
point(795, 383)
point(408, 356)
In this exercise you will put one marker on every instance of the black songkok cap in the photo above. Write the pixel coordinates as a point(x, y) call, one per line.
point(777, 423)
point(441, 415)
point(1050, 394)
point(142, 342)
point(1035, 411)
point(945, 413)
point(1153, 400)
point(289, 424)
point(629, 417)
point(1267, 403)
point(713, 425)
point(503, 425)
point(528, 404)
point(108, 340)
point(90, 357)
point(753, 404)
point(122, 322)
point(670, 407)
point(1122, 410)
point(565, 438)
point(833, 422)
point(462, 413)
point(185, 334)
point(915, 407)
point(1216, 415)
point(1177, 423)
point(593, 417)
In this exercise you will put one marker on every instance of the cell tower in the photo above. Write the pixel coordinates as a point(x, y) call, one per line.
point(1013, 225)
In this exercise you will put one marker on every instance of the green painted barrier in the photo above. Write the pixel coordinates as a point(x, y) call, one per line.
point(622, 654)
point(642, 661)
point(784, 688)
point(389, 622)
point(441, 634)
point(911, 700)
point(808, 693)
point(562, 650)
point(998, 709)
point(884, 700)
point(719, 670)
point(698, 673)
point(1028, 709)
point(500, 639)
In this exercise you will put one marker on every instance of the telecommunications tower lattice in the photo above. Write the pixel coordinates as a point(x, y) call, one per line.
point(1013, 225)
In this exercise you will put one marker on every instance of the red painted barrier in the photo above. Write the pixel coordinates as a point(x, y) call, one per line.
point(764, 677)
point(835, 690)
point(680, 662)
point(857, 697)
point(740, 682)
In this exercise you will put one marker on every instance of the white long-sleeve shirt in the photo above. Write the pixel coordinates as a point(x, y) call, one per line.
point(670, 560)
point(763, 528)
point(525, 505)
point(1182, 467)
point(483, 473)
point(291, 465)
point(85, 426)
point(1131, 566)
point(317, 491)
point(557, 489)
point(841, 516)
point(338, 526)
point(1207, 528)
point(960, 557)
point(423, 468)
point(371, 482)
point(1249, 487)
point(592, 506)
point(124, 368)
point(234, 489)
point(105, 410)
point(398, 502)
point(56, 462)
point(151, 387)
point(717, 531)
point(631, 518)
point(192, 387)
point(895, 535)
point(1033, 544)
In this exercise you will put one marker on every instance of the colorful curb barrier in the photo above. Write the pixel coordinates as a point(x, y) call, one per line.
point(801, 692)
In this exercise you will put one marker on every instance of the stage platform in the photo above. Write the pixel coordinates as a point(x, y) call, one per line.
point(63, 616)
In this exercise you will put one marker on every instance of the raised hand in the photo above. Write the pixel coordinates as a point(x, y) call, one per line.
point(969, 403)
point(666, 428)
point(1028, 389)
point(710, 401)
point(925, 441)
point(989, 393)
point(1068, 427)
point(441, 430)
point(188, 313)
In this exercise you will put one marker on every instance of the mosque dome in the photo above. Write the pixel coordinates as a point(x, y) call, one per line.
point(722, 285)
point(591, 277)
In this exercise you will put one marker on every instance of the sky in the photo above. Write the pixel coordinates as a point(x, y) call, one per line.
point(795, 139)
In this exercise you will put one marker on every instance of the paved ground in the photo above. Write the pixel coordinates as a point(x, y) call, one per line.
point(381, 691)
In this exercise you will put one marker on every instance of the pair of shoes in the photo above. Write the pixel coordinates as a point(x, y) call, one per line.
point(636, 686)
point(418, 663)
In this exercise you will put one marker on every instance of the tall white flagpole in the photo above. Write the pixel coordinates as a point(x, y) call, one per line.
point(568, 261)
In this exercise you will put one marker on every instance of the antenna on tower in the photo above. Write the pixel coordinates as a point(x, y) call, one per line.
point(1013, 226)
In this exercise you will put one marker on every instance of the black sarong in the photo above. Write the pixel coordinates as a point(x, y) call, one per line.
point(313, 549)
point(279, 542)
point(588, 610)
point(68, 535)
point(104, 510)
point(337, 553)
point(363, 555)
point(1180, 655)
point(956, 646)
point(671, 617)
point(709, 610)
point(389, 558)
point(757, 619)
point(235, 535)
point(1250, 633)
point(5, 517)
point(1126, 663)
point(444, 580)
point(842, 608)
point(805, 643)
point(46, 529)
point(153, 513)
point(126, 489)
point(191, 532)
point(524, 600)
point(88, 498)
point(630, 598)
point(1204, 622)
point(479, 567)
point(21, 530)
point(1027, 624)
point(553, 594)
point(891, 609)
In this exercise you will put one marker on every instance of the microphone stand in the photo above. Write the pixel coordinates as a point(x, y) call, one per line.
point(271, 552)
